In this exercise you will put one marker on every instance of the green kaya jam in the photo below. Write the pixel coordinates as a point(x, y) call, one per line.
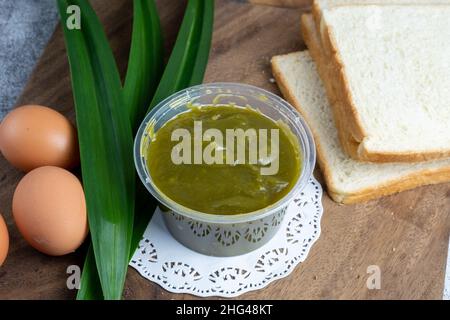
point(224, 160)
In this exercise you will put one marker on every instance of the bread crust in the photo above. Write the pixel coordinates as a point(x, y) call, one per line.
point(354, 135)
point(413, 180)
point(326, 72)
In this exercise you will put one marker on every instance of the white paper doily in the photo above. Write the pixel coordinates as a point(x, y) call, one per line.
point(163, 260)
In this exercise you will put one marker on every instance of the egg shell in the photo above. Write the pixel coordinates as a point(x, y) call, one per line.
point(33, 136)
point(4, 240)
point(49, 209)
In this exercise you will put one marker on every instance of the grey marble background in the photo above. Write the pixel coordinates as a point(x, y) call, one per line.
point(25, 27)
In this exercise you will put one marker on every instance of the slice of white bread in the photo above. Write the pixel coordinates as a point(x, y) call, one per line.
point(332, 83)
point(320, 5)
point(348, 181)
point(392, 73)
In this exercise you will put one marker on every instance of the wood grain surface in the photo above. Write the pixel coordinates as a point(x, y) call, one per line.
point(406, 235)
point(284, 3)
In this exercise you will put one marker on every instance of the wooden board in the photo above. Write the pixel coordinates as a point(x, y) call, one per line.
point(284, 3)
point(406, 235)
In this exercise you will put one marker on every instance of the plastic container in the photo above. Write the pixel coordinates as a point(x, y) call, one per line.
point(224, 235)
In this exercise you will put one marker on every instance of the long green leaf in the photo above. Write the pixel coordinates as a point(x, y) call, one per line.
point(90, 286)
point(201, 60)
point(188, 60)
point(179, 68)
point(186, 67)
point(106, 145)
point(145, 64)
point(143, 74)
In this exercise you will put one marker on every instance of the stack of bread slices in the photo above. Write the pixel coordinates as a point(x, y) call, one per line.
point(374, 87)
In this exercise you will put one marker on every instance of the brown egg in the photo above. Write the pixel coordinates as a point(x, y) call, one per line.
point(49, 209)
point(34, 136)
point(4, 240)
